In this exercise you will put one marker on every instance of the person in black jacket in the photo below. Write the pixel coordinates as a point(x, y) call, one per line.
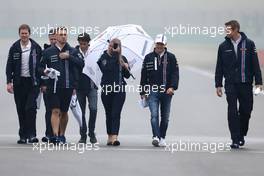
point(238, 63)
point(159, 80)
point(63, 58)
point(114, 69)
point(86, 89)
point(23, 80)
point(48, 132)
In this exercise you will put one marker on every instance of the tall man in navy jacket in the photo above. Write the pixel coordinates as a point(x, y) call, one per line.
point(23, 81)
point(238, 63)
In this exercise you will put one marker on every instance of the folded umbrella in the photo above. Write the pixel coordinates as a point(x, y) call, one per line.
point(76, 109)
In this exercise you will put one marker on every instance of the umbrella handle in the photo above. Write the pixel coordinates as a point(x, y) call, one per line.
point(132, 75)
point(122, 61)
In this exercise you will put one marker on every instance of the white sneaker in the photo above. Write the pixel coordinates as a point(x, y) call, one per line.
point(162, 142)
point(155, 142)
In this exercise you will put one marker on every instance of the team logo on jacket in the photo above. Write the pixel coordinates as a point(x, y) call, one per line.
point(34, 53)
point(16, 56)
point(80, 56)
point(104, 62)
point(54, 58)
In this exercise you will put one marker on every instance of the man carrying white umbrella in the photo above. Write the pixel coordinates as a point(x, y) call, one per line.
point(86, 89)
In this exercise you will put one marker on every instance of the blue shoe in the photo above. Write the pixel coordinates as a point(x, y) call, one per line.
point(62, 139)
point(55, 140)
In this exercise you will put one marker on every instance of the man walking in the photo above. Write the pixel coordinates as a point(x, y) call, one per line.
point(64, 60)
point(160, 73)
point(23, 81)
point(86, 89)
point(238, 63)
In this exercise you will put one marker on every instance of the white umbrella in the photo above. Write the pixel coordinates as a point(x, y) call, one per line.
point(136, 43)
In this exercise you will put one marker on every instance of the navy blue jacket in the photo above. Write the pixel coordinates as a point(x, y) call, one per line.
point(157, 71)
point(13, 66)
point(46, 46)
point(68, 68)
point(242, 68)
point(85, 83)
point(110, 67)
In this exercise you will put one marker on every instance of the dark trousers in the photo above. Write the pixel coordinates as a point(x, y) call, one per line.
point(25, 98)
point(113, 104)
point(92, 97)
point(48, 132)
point(240, 104)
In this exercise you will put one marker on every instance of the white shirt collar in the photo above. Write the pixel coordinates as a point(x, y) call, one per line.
point(237, 41)
point(27, 47)
point(84, 54)
point(162, 53)
point(59, 46)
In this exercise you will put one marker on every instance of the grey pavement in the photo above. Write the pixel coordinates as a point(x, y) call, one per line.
point(197, 115)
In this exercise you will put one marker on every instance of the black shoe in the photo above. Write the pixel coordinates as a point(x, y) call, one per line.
point(22, 141)
point(234, 146)
point(93, 139)
point(242, 141)
point(45, 139)
point(109, 143)
point(33, 140)
point(116, 143)
point(83, 140)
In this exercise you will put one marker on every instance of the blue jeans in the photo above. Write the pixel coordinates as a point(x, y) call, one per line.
point(162, 100)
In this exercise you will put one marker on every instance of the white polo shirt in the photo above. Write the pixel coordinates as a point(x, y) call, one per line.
point(84, 54)
point(235, 43)
point(25, 60)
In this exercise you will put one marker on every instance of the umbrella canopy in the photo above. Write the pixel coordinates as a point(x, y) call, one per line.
point(136, 43)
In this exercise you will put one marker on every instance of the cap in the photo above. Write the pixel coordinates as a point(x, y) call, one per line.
point(161, 38)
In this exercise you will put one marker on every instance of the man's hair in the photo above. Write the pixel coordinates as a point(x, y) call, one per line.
point(24, 26)
point(61, 28)
point(84, 37)
point(234, 25)
point(52, 32)
point(116, 40)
